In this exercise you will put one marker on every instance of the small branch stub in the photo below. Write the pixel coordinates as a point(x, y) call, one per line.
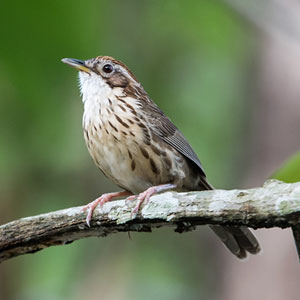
point(296, 234)
point(276, 204)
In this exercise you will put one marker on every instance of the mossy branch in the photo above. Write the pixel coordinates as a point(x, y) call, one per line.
point(276, 204)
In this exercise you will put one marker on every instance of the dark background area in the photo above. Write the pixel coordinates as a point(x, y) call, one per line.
point(225, 74)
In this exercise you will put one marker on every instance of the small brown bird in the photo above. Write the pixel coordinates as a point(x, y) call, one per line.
point(137, 146)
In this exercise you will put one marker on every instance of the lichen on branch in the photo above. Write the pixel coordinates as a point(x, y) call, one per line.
point(275, 204)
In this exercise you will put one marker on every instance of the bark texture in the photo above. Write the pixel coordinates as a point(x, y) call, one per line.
point(276, 204)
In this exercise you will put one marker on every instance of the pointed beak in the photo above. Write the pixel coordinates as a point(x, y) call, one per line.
point(77, 64)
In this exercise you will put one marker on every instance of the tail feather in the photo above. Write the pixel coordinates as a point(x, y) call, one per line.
point(239, 240)
point(245, 238)
point(229, 241)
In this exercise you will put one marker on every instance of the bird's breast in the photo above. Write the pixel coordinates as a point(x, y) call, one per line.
point(122, 146)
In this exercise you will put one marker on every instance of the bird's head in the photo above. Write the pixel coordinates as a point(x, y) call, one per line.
point(103, 74)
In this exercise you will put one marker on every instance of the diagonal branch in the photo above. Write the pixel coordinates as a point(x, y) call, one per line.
point(276, 204)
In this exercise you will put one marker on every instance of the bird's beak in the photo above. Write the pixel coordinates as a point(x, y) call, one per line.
point(77, 64)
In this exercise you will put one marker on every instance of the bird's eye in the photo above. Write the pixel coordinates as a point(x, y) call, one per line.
point(107, 68)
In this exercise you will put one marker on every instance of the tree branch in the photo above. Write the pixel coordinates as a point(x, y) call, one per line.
point(276, 204)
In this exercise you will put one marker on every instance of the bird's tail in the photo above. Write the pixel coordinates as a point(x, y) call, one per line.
point(239, 240)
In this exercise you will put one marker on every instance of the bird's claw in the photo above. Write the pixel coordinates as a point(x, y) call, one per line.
point(141, 198)
point(100, 201)
point(91, 207)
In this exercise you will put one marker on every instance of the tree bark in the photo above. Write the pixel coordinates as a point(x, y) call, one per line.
point(276, 204)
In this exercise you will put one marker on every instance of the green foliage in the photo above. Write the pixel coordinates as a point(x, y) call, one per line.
point(290, 170)
point(192, 59)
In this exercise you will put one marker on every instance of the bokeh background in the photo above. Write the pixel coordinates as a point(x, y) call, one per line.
point(226, 72)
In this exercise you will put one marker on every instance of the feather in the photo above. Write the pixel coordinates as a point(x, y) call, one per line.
point(162, 127)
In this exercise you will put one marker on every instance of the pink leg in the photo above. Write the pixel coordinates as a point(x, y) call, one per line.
point(144, 196)
point(101, 200)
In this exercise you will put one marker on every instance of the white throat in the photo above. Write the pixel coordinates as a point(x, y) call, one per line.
point(97, 95)
point(93, 88)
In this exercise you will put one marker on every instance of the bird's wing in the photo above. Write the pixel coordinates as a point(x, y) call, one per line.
point(162, 127)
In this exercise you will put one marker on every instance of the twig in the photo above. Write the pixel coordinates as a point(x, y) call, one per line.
point(276, 204)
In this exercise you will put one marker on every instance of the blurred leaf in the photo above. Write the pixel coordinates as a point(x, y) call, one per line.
point(290, 171)
point(193, 59)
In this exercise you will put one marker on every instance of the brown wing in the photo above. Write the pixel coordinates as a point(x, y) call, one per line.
point(162, 127)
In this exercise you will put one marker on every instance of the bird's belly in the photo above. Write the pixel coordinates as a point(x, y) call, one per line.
point(120, 162)
point(112, 159)
point(128, 161)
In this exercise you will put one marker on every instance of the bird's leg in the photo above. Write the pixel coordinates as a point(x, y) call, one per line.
point(101, 200)
point(144, 196)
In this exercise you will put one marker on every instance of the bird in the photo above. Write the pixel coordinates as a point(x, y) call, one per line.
point(137, 146)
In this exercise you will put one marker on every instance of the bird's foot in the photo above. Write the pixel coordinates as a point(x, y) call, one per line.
point(101, 200)
point(145, 196)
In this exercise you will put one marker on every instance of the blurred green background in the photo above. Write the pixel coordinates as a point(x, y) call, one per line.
point(197, 60)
